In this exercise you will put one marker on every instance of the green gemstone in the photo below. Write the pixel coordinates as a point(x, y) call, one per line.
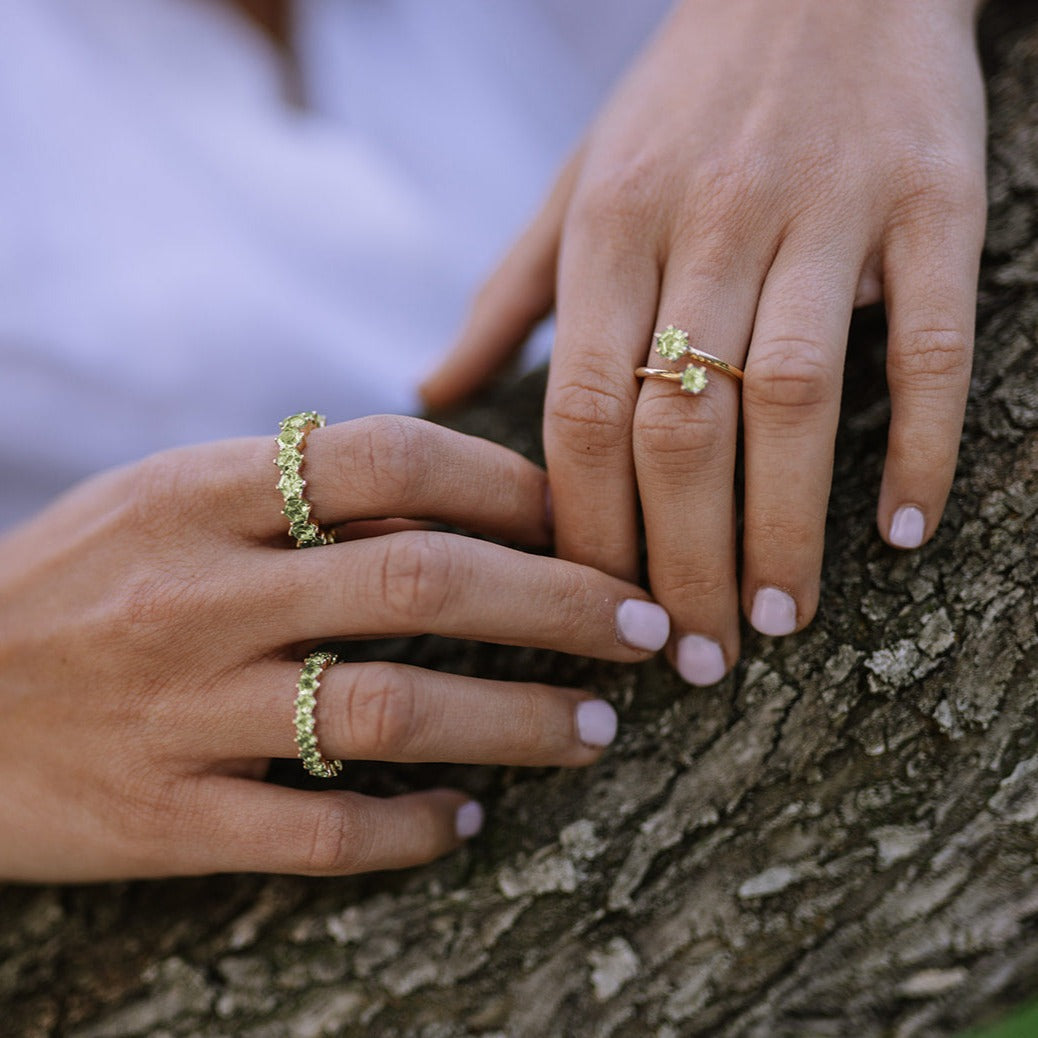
point(292, 484)
point(693, 379)
point(671, 343)
point(290, 437)
point(289, 458)
point(297, 510)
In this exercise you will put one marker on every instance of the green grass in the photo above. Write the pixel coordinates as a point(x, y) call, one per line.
point(1022, 1024)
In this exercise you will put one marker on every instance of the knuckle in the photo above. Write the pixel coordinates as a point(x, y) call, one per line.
point(735, 182)
point(161, 493)
point(790, 537)
point(527, 723)
point(930, 358)
point(336, 842)
point(149, 803)
point(154, 606)
point(575, 606)
point(936, 185)
point(622, 195)
point(677, 588)
point(385, 459)
point(669, 435)
point(416, 575)
point(789, 375)
point(590, 419)
point(381, 711)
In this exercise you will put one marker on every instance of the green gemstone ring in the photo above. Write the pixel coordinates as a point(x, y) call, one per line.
point(306, 725)
point(673, 344)
point(290, 442)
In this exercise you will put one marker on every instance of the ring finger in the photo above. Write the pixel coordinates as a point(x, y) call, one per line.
point(392, 712)
point(684, 448)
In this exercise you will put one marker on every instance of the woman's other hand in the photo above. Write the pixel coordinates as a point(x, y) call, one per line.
point(765, 167)
point(154, 626)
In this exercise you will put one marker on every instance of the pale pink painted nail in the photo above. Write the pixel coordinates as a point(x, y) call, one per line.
point(642, 625)
point(774, 612)
point(700, 660)
point(907, 527)
point(469, 820)
point(596, 722)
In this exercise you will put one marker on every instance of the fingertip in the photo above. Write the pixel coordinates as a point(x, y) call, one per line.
point(642, 625)
point(469, 819)
point(700, 660)
point(774, 612)
point(907, 527)
point(596, 723)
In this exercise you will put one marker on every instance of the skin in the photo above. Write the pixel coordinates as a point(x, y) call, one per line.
point(764, 167)
point(274, 17)
point(156, 617)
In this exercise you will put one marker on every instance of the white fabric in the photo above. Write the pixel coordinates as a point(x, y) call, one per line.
point(184, 256)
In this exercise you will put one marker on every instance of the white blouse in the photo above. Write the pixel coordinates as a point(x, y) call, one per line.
point(185, 255)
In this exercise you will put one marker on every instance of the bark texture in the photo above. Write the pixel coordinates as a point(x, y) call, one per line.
point(841, 839)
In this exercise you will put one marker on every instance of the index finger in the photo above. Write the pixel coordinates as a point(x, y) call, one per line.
point(393, 467)
point(606, 307)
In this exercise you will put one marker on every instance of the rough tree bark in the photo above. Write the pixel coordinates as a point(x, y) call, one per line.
point(839, 840)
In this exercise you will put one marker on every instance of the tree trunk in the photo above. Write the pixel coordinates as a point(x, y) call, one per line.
point(838, 840)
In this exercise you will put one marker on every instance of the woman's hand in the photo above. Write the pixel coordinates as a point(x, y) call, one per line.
point(765, 167)
point(155, 620)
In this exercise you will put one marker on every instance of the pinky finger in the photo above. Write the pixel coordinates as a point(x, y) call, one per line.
point(931, 276)
point(262, 828)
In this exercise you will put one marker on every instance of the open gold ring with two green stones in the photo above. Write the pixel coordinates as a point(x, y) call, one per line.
point(673, 344)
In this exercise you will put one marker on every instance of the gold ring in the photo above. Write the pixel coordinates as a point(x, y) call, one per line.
point(290, 442)
point(672, 344)
point(306, 725)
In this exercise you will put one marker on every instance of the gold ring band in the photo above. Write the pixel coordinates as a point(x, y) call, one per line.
point(673, 344)
point(290, 442)
point(692, 378)
point(306, 724)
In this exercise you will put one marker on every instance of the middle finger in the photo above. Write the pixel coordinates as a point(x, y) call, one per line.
point(429, 582)
point(684, 449)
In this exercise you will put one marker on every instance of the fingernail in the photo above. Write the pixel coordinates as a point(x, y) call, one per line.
point(469, 820)
point(642, 625)
point(774, 612)
point(596, 722)
point(700, 660)
point(907, 527)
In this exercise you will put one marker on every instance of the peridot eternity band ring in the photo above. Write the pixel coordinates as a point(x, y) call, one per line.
point(290, 442)
point(672, 344)
point(306, 724)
